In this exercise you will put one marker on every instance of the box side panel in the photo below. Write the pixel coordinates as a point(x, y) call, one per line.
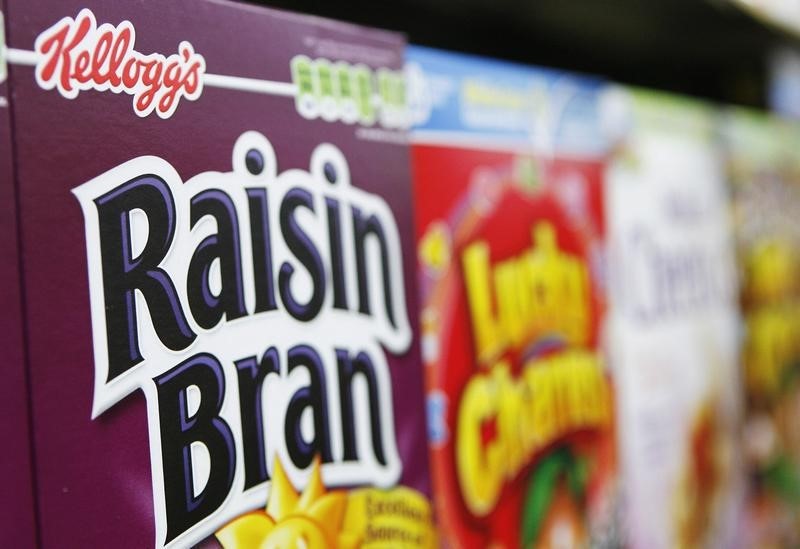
point(17, 520)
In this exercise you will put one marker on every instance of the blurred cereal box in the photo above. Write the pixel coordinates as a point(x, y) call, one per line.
point(764, 176)
point(508, 168)
point(674, 323)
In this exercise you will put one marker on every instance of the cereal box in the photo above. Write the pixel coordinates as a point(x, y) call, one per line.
point(674, 322)
point(764, 175)
point(217, 248)
point(508, 167)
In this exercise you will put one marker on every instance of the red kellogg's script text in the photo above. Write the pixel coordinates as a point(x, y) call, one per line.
point(77, 55)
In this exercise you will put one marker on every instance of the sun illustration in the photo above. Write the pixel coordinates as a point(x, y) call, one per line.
point(311, 520)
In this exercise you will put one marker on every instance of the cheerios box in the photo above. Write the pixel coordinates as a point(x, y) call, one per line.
point(674, 321)
point(17, 521)
point(508, 165)
point(764, 182)
point(218, 259)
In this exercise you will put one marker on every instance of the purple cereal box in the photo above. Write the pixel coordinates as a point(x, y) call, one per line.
point(217, 256)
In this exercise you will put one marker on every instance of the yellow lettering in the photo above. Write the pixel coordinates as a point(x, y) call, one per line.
point(479, 465)
point(540, 292)
point(553, 397)
point(476, 273)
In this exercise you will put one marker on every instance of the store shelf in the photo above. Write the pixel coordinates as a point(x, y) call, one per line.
point(709, 49)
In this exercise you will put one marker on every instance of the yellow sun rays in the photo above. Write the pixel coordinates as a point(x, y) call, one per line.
point(311, 520)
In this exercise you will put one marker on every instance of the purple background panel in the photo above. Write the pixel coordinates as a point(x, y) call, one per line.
point(16, 499)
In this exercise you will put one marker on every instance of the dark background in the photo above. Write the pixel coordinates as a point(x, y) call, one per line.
point(705, 48)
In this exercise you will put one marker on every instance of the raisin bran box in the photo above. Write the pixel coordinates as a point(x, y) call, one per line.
point(218, 259)
point(508, 166)
point(764, 177)
point(674, 322)
point(16, 499)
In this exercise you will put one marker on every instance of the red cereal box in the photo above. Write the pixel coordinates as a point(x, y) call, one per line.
point(508, 168)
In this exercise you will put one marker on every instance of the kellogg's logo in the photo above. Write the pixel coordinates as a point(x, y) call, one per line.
point(76, 55)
